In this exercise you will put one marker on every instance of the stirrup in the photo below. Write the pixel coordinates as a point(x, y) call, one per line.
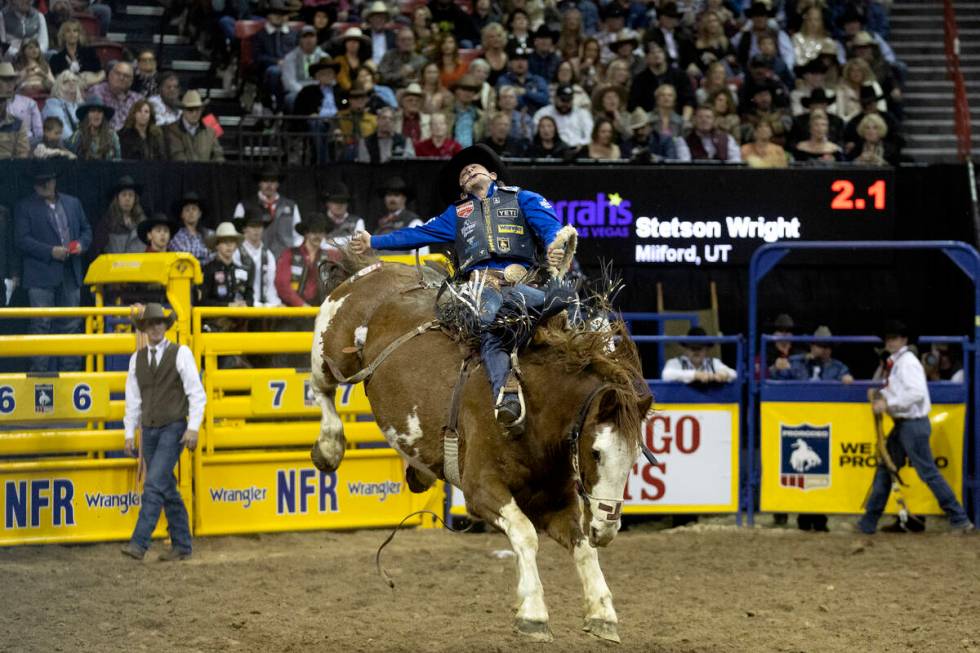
point(517, 426)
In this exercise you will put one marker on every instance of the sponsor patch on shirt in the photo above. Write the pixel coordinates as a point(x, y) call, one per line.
point(464, 210)
point(503, 244)
point(219, 276)
point(510, 229)
point(506, 213)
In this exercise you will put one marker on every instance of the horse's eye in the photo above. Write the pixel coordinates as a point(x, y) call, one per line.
point(596, 456)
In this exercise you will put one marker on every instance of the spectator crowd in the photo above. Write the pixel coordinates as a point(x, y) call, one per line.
point(764, 82)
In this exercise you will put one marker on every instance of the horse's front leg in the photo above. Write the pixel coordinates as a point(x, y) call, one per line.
point(532, 614)
point(328, 451)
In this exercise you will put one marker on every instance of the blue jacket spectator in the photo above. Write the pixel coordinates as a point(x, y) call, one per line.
point(818, 365)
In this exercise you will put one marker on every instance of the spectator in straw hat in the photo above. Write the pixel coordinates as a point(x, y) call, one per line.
point(281, 214)
point(13, 131)
point(401, 65)
point(469, 124)
point(382, 37)
point(297, 270)
point(296, 65)
point(165, 400)
point(356, 51)
point(20, 106)
point(817, 365)
point(647, 145)
point(189, 139)
point(226, 283)
point(253, 226)
point(409, 119)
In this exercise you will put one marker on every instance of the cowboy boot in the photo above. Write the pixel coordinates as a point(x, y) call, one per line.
point(509, 410)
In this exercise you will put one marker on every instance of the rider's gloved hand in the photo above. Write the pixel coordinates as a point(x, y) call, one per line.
point(360, 242)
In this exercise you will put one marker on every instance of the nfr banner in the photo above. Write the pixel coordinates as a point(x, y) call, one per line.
point(821, 457)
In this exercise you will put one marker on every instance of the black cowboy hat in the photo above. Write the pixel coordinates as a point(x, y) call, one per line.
point(895, 328)
point(94, 103)
point(817, 96)
point(669, 9)
point(143, 228)
point(814, 66)
point(252, 217)
point(190, 197)
point(870, 94)
point(479, 153)
point(269, 172)
point(851, 14)
point(39, 177)
point(397, 185)
point(324, 63)
point(783, 322)
point(544, 32)
point(126, 182)
point(758, 9)
point(612, 10)
point(281, 7)
point(316, 222)
point(309, 12)
point(696, 331)
point(336, 191)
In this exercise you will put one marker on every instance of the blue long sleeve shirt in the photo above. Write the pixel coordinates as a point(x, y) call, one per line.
point(538, 212)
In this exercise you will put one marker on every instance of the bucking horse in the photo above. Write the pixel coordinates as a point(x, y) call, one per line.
point(565, 475)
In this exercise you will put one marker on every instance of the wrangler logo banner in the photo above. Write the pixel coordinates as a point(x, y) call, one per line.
point(821, 457)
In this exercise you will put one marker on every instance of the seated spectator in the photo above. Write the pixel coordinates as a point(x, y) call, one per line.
point(762, 108)
point(147, 79)
point(761, 76)
point(20, 106)
point(778, 355)
point(52, 145)
point(75, 55)
point(341, 223)
point(486, 97)
point(521, 123)
point(873, 149)
point(382, 38)
point(810, 77)
point(355, 121)
point(141, 139)
point(602, 146)
point(695, 366)
point(401, 65)
point(647, 145)
point(409, 122)
point(116, 92)
point(451, 67)
point(623, 47)
point(715, 80)
point(191, 236)
point(66, 97)
point(856, 75)
point(671, 37)
point(297, 269)
point(532, 91)
point(708, 143)
point(665, 119)
point(118, 230)
point(188, 139)
point(155, 232)
point(943, 362)
point(94, 140)
point(864, 47)
point(396, 193)
point(571, 33)
point(356, 51)
point(811, 37)
point(656, 74)
point(711, 46)
point(270, 47)
point(98, 8)
point(436, 97)
point(817, 365)
point(565, 75)
point(759, 151)
point(518, 27)
point(543, 61)
point(32, 68)
point(13, 132)
point(226, 283)
point(384, 144)
point(324, 98)
point(726, 112)
point(870, 100)
point(587, 64)
point(853, 21)
point(609, 102)
point(22, 22)
point(818, 147)
point(281, 213)
point(322, 17)
point(296, 65)
point(166, 104)
point(499, 139)
point(486, 12)
point(574, 124)
point(469, 123)
point(618, 74)
point(494, 41)
point(821, 101)
point(446, 12)
point(547, 142)
point(378, 96)
point(438, 144)
point(746, 42)
point(254, 253)
point(422, 28)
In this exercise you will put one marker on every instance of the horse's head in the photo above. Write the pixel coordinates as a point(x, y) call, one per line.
point(608, 446)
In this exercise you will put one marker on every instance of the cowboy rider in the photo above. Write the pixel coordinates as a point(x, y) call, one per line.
point(493, 226)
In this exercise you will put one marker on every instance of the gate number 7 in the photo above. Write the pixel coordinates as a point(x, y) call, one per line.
point(277, 387)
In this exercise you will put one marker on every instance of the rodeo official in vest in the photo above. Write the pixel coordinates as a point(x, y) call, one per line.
point(165, 398)
point(503, 230)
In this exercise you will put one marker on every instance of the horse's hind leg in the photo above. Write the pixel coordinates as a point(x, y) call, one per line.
point(328, 451)
point(532, 614)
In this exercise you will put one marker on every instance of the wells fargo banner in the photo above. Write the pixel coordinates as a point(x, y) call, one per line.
point(282, 491)
point(821, 457)
point(88, 500)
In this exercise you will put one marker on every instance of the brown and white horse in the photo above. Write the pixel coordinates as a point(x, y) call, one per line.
point(565, 475)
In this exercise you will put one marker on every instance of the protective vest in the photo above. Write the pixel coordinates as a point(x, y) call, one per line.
point(494, 227)
point(163, 398)
point(299, 274)
point(278, 234)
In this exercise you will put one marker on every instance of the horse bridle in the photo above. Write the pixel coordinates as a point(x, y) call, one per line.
point(607, 509)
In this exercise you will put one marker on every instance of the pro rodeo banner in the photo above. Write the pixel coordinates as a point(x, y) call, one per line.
point(821, 457)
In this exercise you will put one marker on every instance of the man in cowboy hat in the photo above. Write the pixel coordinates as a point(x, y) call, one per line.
point(355, 121)
point(324, 98)
point(342, 224)
point(695, 365)
point(532, 90)
point(296, 65)
point(271, 45)
point(385, 143)
point(297, 270)
point(253, 250)
point(382, 38)
point(746, 42)
point(117, 93)
point(852, 22)
point(281, 213)
point(20, 106)
point(396, 193)
point(492, 227)
point(658, 71)
point(905, 397)
point(469, 124)
point(870, 99)
point(574, 123)
point(52, 233)
point(156, 232)
point(822, 100)
point(817, 365)
point(226, 283)
point(543, 60)
point(401, 65)
point(671, 36)
point(165, 400)
point(189, 139)
point(410, 122)
point(13, 132)
point(647, 144)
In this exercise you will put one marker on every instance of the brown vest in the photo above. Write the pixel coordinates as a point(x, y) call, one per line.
point(163, 398)
point(698, 152)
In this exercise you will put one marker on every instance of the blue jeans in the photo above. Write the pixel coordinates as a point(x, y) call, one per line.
point(910, 438)
point(161, 449)
point(66, 295)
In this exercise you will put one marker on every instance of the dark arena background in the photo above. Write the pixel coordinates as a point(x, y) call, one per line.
point(758, 280)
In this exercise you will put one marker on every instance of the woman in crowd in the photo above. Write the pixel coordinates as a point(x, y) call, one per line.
point(715, 79)
point(146, 81)
point(422, 27)
point(435, 96)
point(565, 74)
point(665, 119)
point(547, 143)
point(571, 35)
point(94, 139)
point(486, 97)
point(140, 138)
point(873, 150)
point(760, 151)
point(726, 112)
point(378, 96)
point(724, 14)
point(618, 74)
point(521, 124)
point(518, 29)
point(192, 235)
point(322, 18)
point(609, 102)
point(356, 50)
point(602, 145)
point(813, 34)
point(75, 55)
point(588, 65)
point(856, 74)
point(711, 45)
point(66, 97)
point(117, 232)
point(32, 69)
point(451, 67)
point(493, 38)
point(818, 147)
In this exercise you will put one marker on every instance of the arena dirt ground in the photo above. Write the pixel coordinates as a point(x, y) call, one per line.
point(709, 587)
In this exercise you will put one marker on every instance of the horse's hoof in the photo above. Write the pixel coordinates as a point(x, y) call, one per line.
point(320, 461)
point(537, 631)
point(606, 630)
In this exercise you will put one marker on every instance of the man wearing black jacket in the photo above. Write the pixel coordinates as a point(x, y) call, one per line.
point(655, 74)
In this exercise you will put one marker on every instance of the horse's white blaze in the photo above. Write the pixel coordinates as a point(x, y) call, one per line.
point(524, 540)
point(331, 441)
point(613, 467)
point(598, 598)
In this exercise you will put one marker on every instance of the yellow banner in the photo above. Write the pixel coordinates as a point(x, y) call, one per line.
point(821, 457)
point(289, 393)
point(282, 491)
point(38, 398)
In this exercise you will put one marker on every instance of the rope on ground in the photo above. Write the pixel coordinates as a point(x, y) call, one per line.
point(377, 556)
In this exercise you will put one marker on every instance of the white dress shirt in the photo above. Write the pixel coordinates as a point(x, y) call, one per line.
point(574, 127)
point(906, 391)
point(268, 276)
point(188, 375)
point(682, 369)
